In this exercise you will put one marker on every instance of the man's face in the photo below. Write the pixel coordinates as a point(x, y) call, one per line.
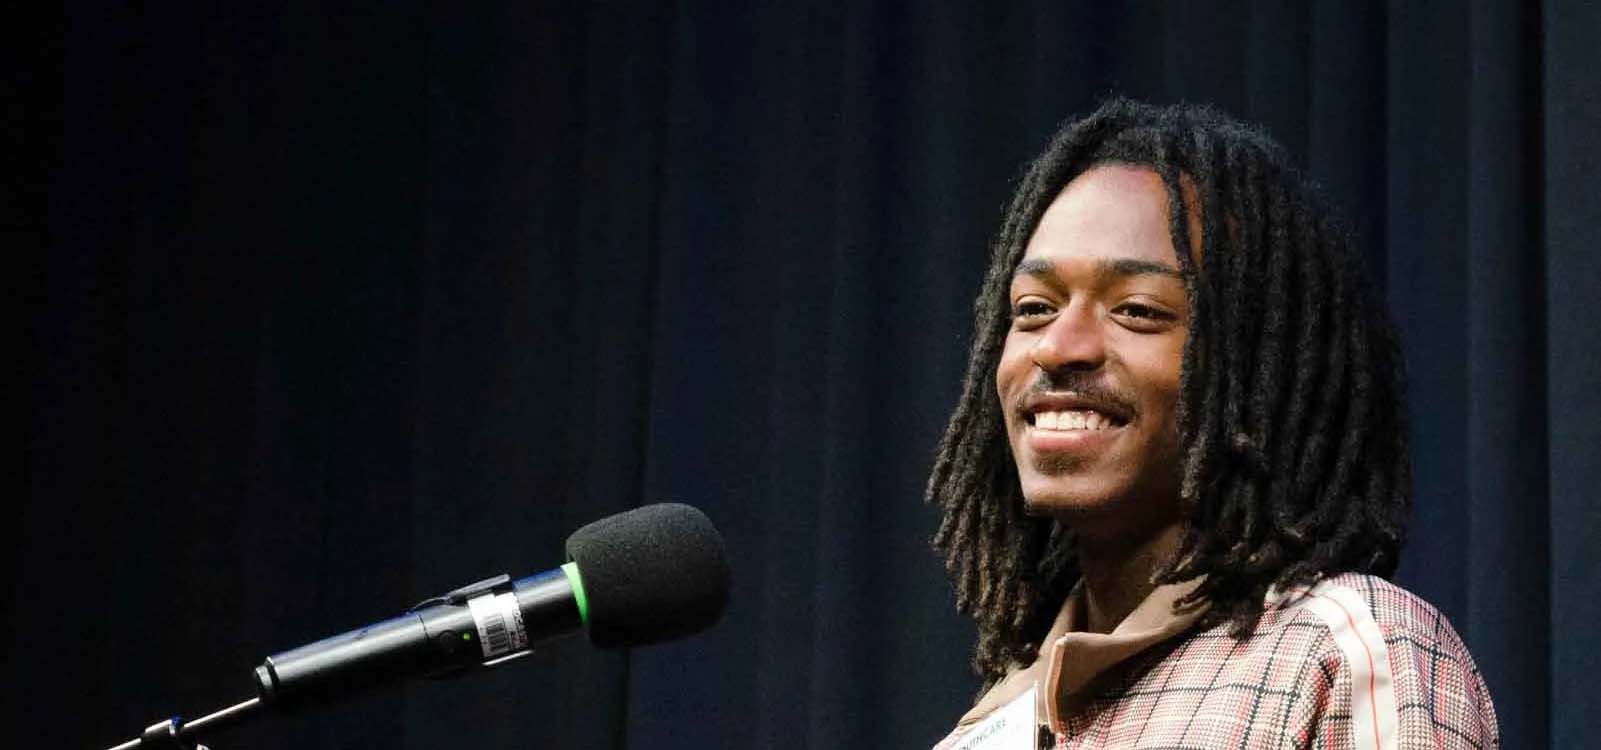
point(1089, 378)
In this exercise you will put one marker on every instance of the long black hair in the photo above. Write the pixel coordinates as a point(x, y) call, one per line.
point(1294, 462)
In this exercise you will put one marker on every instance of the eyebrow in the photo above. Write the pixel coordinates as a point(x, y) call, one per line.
point(1105, 269)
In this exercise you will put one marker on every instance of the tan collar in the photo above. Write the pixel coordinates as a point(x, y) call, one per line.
point(1070, 658)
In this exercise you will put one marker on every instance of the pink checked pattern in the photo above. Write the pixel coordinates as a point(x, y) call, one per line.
point(1289, 685)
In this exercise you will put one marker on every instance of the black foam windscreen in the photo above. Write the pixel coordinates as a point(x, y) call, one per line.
point(651, 574)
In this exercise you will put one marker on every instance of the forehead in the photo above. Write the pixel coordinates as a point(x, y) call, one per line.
point(1109, 211)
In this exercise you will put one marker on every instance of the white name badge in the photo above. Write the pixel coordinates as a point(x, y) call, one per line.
point(1012, 727)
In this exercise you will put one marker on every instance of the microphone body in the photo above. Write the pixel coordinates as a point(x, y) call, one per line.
point(652, 574)
point(473, 626)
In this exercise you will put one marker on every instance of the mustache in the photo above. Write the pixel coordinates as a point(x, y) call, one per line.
point(1089, 386)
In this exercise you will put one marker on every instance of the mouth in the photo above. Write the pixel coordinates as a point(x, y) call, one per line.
point(1072, 425)
point(1073, 412)
point(1072, 420)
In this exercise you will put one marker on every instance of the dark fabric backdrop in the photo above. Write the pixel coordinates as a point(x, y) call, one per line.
point(332, 307)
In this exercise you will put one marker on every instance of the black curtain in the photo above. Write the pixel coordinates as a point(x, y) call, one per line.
point(332, 307)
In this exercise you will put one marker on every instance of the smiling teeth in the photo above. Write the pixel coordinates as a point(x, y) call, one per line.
point(1077, 419)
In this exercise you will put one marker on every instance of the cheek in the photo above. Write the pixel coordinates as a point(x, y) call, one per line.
point(1160, 369)
point(1013, 366)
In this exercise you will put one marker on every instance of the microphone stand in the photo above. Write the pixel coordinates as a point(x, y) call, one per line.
point(175, 734)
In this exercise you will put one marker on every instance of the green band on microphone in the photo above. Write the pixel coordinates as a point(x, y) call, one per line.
point(571, 569)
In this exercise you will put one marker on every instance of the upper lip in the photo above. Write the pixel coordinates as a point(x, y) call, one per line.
point(1035, 403)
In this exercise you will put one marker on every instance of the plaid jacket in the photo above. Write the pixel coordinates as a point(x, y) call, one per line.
point(1353, 662)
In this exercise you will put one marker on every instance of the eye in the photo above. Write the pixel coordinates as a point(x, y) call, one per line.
point(1142, 317)
point(1031, 311)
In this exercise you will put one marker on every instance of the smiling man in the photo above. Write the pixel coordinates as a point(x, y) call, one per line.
point(1176, 479)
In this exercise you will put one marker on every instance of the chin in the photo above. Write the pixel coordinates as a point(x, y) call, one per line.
point(1099, 505)
point(1069, 500)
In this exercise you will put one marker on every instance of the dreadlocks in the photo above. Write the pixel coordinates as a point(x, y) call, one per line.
point(1290, 416)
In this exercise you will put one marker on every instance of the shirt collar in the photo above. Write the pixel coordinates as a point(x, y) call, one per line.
point(1069, 658)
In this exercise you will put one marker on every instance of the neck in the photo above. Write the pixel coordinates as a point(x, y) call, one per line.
point(1118, 570)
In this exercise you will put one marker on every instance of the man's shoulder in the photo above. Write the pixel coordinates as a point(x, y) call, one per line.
point(1353, 620)
point(1353, 600)
point(1369, 642)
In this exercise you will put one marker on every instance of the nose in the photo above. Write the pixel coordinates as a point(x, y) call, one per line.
point(1073, 341)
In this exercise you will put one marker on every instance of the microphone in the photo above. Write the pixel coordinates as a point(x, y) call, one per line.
point(649, 575)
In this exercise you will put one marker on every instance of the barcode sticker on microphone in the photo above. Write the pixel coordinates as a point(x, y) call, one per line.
point(500, 624)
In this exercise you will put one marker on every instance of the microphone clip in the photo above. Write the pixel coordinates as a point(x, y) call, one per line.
point(497, 585)
point(168, 735)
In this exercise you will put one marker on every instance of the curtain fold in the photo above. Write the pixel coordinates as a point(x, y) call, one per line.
point(1570, 169)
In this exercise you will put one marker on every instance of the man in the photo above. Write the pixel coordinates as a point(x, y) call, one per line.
point(1177, 476)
